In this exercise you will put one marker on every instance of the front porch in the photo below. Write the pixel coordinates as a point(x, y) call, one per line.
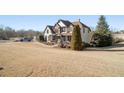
point(65, 37)
point(62, 40)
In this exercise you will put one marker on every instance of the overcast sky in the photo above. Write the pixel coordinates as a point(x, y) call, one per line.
point(39, 22)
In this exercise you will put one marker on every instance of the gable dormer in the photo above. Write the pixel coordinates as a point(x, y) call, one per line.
point(62, 26)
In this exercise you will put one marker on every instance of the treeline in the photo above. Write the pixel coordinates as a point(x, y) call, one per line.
point(7, 33)
point(119, 32)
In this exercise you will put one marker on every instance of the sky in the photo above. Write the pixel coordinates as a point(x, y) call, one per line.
point(39, 22)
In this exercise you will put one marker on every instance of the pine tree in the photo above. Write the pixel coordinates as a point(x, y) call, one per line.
point(103, 36)
point(102, 26)
point(76, 41)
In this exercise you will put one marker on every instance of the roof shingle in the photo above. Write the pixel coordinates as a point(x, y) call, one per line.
point(66, 22)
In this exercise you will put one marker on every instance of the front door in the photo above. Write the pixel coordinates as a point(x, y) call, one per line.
point(69, 38)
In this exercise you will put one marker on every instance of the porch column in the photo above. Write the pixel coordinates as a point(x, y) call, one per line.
point(66, 38)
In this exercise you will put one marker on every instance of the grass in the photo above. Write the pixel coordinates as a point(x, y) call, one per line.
point(35, 59)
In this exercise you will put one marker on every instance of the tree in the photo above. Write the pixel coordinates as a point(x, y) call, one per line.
point(10, 32)
point(3, 35)
point(102, 36)
point(76, 41)
point(7, 33)
point(102, 26)
point(41, 37)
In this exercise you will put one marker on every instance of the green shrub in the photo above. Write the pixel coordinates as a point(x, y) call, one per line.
point(41, 38)
point(99, 40)
point(76, 41)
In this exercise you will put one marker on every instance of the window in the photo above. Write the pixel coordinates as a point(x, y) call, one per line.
point(87, 30)
point(63, 38)
point(83, 30)
point(69, 38)
point(53, 37)
point(47, 31)
point(63, 29)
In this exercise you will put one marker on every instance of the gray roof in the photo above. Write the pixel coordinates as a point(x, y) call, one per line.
point(50, 27)
point(66, 22)
point(80, 24)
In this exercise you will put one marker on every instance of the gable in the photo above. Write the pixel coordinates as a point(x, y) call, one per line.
point(48, 31)
point(64, 23)
point(61, 24)
point(56, 26)
point(82, 26)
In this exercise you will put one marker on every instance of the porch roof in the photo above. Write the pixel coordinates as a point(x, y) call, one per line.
point(66, 34)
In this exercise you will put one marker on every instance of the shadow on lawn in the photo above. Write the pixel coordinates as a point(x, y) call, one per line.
point(122, 50)
point(117, 47)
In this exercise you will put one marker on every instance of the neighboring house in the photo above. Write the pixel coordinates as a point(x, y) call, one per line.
point(62, 30)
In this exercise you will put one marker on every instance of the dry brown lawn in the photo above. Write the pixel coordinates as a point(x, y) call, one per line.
point(35, 59)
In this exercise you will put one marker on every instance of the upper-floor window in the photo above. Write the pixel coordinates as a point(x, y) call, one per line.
point(83, 30)
point(63, 29)
point(87, 30)
point(47, 31)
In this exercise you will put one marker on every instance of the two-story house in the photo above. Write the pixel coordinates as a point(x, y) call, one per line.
point(63, 29)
